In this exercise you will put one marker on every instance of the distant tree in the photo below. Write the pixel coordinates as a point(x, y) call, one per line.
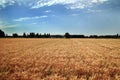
point(37, 35)
point(15, 35)
point(2, 34)
point(32, 35)
point(27, 36)
point(77, 36)
point(40, 36)
point(24, 35)
point(45, 35)
point(56, 36)
point(67, 35)
point(48, 35)
point(93, 36)
point(117, 35)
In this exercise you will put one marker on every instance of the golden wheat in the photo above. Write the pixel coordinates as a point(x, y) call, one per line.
point(59, 59)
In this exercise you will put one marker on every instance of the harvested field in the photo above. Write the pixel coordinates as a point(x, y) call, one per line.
point(59, 59)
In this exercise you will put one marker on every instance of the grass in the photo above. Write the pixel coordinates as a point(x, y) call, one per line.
point(59, 59)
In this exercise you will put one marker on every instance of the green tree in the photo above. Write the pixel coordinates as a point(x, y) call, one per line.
point(67, 35)
point(2, 34)
point(24, 35)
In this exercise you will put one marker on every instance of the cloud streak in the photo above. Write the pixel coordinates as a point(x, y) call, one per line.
point(48, 11)
point(69, 4)
point(29, 18)
point(94, 11)
point(5, 25)
point(4, 3)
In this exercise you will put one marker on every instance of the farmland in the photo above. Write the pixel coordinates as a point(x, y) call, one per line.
point(59, 59)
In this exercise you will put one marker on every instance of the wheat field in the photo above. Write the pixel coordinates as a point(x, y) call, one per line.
point(59, 59)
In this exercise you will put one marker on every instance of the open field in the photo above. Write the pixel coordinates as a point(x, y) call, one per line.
point(59, 59)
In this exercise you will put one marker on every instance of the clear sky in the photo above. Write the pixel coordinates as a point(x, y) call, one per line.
point(60, 16)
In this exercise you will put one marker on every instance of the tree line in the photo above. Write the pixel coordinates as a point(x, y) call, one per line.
point(48, 35)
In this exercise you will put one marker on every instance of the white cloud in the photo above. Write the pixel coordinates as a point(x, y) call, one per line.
point(42, 22)
point(29, 18)
point(75, 14)
point(4, 3)
point(42, 3)
point(96, 1)
point(93, 11)
point(4, 25)
point(48, 11)
point(69, 4)
point(43, 16)
point(7, 26)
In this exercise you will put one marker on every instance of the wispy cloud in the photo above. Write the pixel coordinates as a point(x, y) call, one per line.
point(69, 4)
point(75, 14)
point(4, 25)
point(29, 18)
point(41, 22)
point(43, 16)
point(4, 3)
point(100, 1)
point(7, 26)
point(48, 11)
point(93, 11)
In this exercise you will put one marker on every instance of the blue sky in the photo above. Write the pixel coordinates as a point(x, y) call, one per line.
point(60, 16)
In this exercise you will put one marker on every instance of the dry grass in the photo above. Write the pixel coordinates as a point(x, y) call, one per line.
point(59, 59)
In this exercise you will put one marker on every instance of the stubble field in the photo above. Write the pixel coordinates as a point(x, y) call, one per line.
point(59, 59)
